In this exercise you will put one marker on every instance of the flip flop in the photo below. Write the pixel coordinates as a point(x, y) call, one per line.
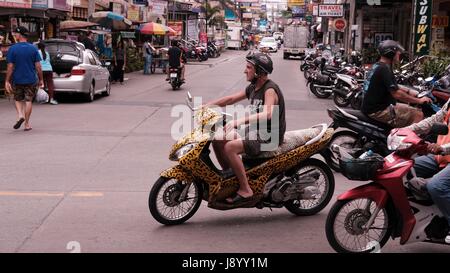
point(27, 129)
point(239, 199)
point(18, 123)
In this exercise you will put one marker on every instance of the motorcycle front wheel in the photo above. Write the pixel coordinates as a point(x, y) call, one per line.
point(165, 204)
point(318, 91)
point(345, 226)
point(324, 184)
point(340, 100)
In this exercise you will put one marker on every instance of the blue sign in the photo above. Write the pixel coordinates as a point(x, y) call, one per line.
point(229, 14)
point(140, 2)
point(298, 11)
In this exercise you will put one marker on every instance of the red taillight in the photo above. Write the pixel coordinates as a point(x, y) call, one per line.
point(77, 72)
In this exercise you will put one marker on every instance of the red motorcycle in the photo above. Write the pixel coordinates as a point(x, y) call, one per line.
point(395, 204)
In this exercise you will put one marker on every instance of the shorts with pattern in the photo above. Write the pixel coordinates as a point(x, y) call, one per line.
point(397, 116)
point(25, 92)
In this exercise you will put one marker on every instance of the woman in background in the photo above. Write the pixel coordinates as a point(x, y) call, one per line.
point(47, 72)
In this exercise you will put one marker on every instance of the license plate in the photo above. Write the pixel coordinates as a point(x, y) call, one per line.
point(173, 75)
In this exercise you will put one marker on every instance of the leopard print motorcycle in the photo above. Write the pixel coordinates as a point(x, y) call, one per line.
point(286, 177)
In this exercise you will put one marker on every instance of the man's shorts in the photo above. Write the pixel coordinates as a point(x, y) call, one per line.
point(25, 92)
point(252, 143)
point(397, 116)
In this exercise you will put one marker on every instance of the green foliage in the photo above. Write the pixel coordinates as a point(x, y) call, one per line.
point(135, 61)
point(434, 64)
point(370, 55)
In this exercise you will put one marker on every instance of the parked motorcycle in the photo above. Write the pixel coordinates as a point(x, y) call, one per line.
point(287, 177)
point(213, 50)
point(395, 204)
point(347, 90)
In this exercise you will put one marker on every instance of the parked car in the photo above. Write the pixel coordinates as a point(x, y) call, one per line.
point(77, 69)
point(268, 43)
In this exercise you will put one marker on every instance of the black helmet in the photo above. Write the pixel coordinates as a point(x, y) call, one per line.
point(262, 62)
point(388, 48)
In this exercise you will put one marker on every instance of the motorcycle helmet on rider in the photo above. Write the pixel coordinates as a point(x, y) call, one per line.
point(388, 49)
point(262, 62)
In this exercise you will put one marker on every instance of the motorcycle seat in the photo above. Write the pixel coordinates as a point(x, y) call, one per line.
point(293, 140)
point(361, 116)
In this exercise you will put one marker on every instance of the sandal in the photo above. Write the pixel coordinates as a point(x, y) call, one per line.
point(18, 123)
point(239, 199)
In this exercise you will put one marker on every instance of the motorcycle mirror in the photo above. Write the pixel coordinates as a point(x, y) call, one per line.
point(439, 129)
point(429, 79)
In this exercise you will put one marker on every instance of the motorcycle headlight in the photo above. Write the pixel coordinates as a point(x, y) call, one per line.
point(395, 143)
point(183, 151)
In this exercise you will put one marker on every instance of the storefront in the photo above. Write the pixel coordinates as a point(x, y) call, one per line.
point(440, 42)
point(183, 19)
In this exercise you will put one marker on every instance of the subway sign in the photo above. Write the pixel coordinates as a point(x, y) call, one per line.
point(422, 27)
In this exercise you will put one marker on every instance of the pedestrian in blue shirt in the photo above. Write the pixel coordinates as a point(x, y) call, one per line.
point(23, 76)
point(47, 72)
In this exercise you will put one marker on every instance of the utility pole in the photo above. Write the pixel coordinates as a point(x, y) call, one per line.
point(350, 24)
point(91, 8)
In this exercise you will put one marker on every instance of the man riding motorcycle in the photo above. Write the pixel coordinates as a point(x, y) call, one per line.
point(381, 91)
point(176, 56)
point(436, 167)
point(263, 94)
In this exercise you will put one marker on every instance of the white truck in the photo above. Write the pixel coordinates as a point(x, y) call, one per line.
point(295, 40)
point(234, 35)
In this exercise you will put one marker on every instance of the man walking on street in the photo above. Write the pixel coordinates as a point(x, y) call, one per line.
point(23, 64)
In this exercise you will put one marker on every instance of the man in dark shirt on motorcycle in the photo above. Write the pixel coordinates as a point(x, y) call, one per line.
point(175, 59)
point(436, 167)
point(267, 116)
point(381, 91)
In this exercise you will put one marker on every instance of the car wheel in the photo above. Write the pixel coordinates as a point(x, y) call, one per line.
point(91, 95)
point(107, 92)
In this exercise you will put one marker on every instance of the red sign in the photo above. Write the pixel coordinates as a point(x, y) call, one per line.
point(203, 37)
point(340, 24)
point(177, 26)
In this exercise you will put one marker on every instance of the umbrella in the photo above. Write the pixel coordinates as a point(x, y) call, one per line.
point(71, 24)
point(156, 29)
point(110, 20)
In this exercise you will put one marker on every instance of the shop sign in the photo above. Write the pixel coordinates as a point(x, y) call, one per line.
point(180, 6)
point(59, 4)
point(133, 13)
point(315, 10)
point(329, 1)
point(192, 29)
point(331, 10)
point(379, 37)
point(422, 33)
point(339, 24)
point(140, 2)
point(298, 11)
point(39, 4)
point(247, 15)
point(177, 26)
point(16, 3)
point(440, 21)
point(117, 8)
point(159, 7)
point(292, 3)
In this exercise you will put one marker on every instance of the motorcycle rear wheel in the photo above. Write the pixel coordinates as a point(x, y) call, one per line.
point(164, 204)
point(345, 222)
point(356, 102)
point(326, 187)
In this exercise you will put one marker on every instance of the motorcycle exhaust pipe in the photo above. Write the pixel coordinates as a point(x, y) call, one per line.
point(341, 92)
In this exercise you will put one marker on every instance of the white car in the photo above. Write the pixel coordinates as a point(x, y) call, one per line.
point(268, 43)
